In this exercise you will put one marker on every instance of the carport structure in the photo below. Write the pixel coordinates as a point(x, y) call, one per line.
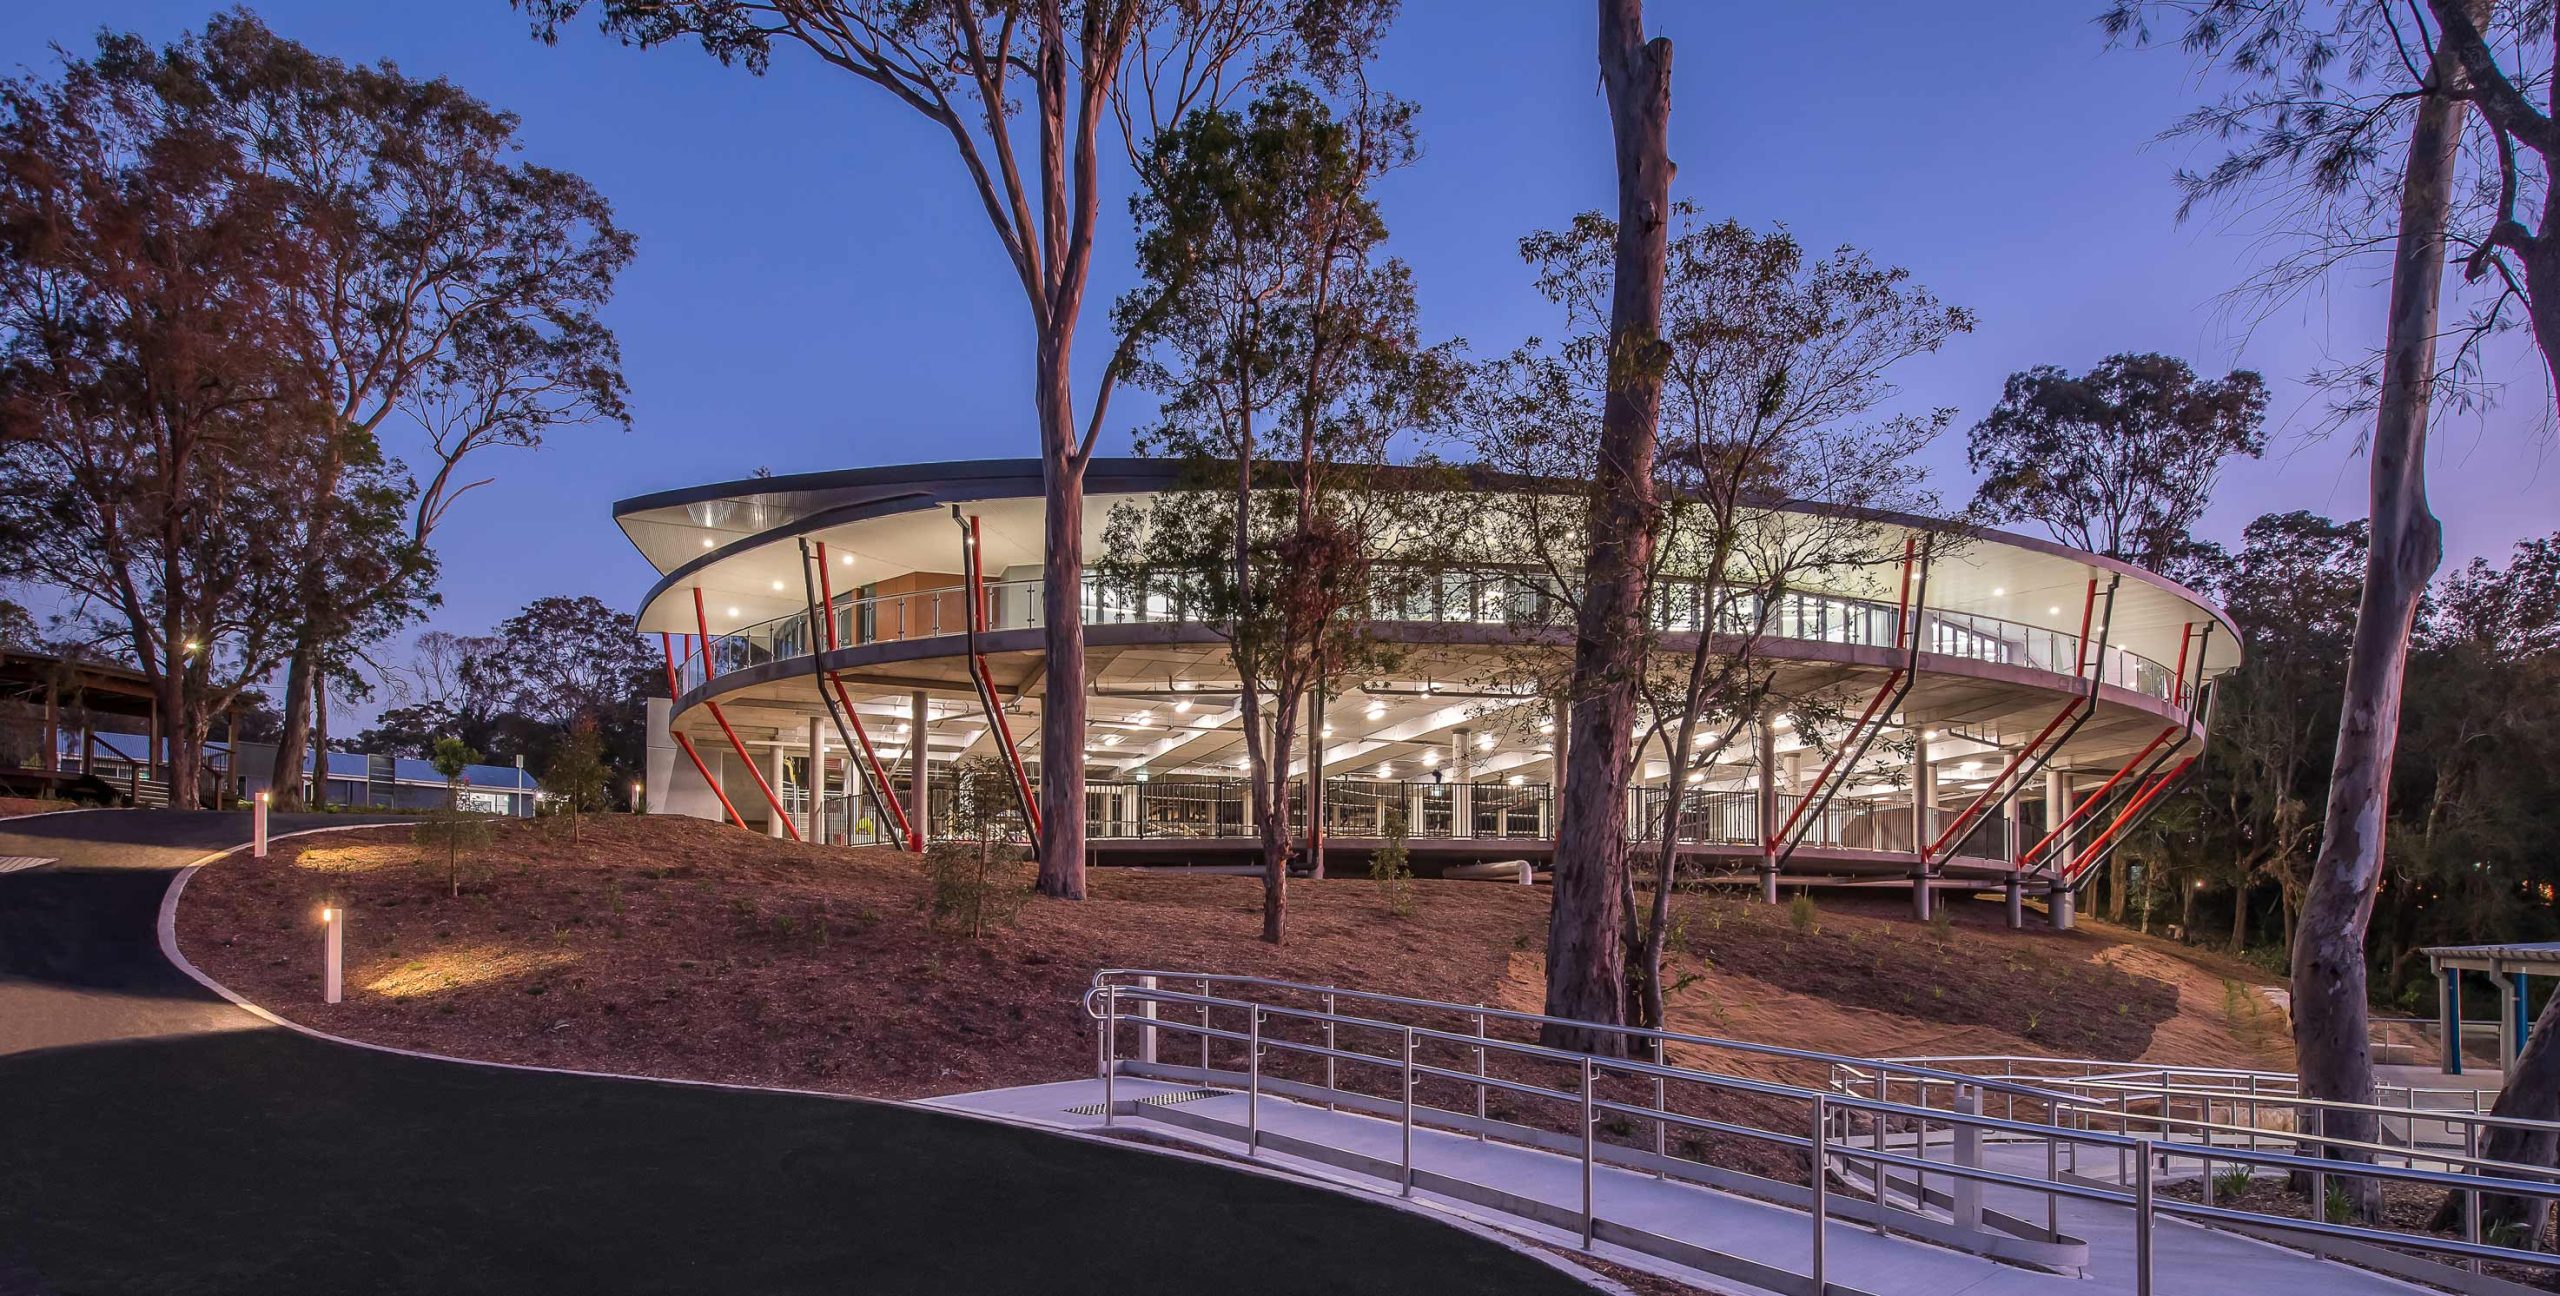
point(2506, 966)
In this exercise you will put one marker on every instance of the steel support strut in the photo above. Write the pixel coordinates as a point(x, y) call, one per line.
point(2140, 806)
point(1780, 847)
point(973, 568)
point(702, 621)
point(668, 644)
point(857, 743)
point(874, 777)
point(2031, 759)
point(2062, 837)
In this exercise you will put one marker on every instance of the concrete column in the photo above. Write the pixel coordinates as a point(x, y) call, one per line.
point(919, 768)
point(817, 829)
point(2057, 807)
point(773, 779)
point(2014, 823)
point(1559, 751)
point(1924, 799)
point(1766, 741)
point(1462, 764)
point(1315, 783)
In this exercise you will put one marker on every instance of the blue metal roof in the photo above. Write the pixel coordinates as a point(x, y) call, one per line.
point(350, 766)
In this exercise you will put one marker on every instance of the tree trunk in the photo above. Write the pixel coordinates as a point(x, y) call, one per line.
point(319, 742)
point(1062, 702)
point(1586, 974)
point(2329, 1018)
point(284, 777)
point(2115, 887)
point(2187, 915)
point(2239, 917)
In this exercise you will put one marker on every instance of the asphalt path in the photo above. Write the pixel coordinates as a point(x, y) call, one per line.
point(156, 1139)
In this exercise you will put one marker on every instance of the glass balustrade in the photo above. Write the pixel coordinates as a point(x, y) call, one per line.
point(1478, 597)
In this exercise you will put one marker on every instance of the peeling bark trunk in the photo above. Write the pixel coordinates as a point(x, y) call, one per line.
point(284, 777)
point(2329, 991)
point(1062, 705)
point(1586, 956)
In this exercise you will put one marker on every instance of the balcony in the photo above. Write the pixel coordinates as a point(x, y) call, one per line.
point(1484, 597)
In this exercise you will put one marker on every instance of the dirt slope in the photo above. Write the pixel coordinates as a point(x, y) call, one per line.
point(677, 947)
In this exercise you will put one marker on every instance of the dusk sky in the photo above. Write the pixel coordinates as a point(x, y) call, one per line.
point(816, 288)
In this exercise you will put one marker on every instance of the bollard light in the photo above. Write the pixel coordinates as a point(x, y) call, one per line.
point(333, 958)
point(258, 827)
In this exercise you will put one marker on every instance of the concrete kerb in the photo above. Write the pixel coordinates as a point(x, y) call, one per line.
point(168, 932)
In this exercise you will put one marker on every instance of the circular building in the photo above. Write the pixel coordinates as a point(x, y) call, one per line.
point(2007, 707)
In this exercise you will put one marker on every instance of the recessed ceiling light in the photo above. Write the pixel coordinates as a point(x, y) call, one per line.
point(847, 560)
point(1484, 742)
point(1430, 758)
point(2053, 611)
point(1182, 707)
point(1998, 590)
point(1546, 726)
point(1326, 732)
point(1376, 709)
point(1143, 719)
point(1931, 735)
point(1386, 768)
point(777, 585)
point(1110, 740)
point(733, 611)
point(1514, 781)
point(709, 543)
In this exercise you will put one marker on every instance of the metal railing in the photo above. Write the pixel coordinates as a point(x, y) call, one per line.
point(1470, 596)
point(1870, 1116)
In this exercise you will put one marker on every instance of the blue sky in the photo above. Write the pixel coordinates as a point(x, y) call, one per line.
point(815, 287)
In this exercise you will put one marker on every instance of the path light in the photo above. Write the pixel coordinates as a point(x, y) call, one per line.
point(635, 796)
point(258, 827)
point(333, 952)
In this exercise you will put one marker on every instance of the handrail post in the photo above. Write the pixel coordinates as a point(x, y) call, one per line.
point(1662, 1118)
point(2471, 1208)
point(1407, 1131)
point(2142, 1221)
point(1328, 1051)
point(1480, 1137)
point(1147, 1028)
point(1590, 1124)
point(1204, 1028)
point(2320, 1149)
point(1821, 1186)
point(1110, 1040)
point(1253, 1085)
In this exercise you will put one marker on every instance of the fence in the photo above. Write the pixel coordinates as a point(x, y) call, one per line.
point(1863, 1122)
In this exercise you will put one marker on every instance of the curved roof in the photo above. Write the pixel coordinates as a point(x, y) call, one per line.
point(734, 540)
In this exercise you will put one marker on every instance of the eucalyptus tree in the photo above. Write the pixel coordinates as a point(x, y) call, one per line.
point(1774, 367)
point(2315, 135)
point(151, 434)
point(2120, 460)
point(1284, 345)
point(448, 294)
point(1007, 80)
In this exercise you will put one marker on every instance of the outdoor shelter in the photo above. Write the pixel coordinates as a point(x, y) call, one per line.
point(2506, 966)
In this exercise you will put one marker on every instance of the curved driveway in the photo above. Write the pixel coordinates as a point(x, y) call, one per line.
point(155, 1139)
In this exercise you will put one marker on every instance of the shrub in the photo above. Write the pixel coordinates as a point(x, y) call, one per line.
point(1391, 867)
point(457, 833)
point(1802, 915)
point(978, 878)
point(2232, 1182)
point(575, 777)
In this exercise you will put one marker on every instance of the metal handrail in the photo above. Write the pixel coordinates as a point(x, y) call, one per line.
point(1103, 1001)
point(1639, 1033)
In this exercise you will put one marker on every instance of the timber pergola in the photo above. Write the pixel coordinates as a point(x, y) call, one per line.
point(2505, 965)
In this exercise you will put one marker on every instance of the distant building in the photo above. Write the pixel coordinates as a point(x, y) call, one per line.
point(355, 778)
